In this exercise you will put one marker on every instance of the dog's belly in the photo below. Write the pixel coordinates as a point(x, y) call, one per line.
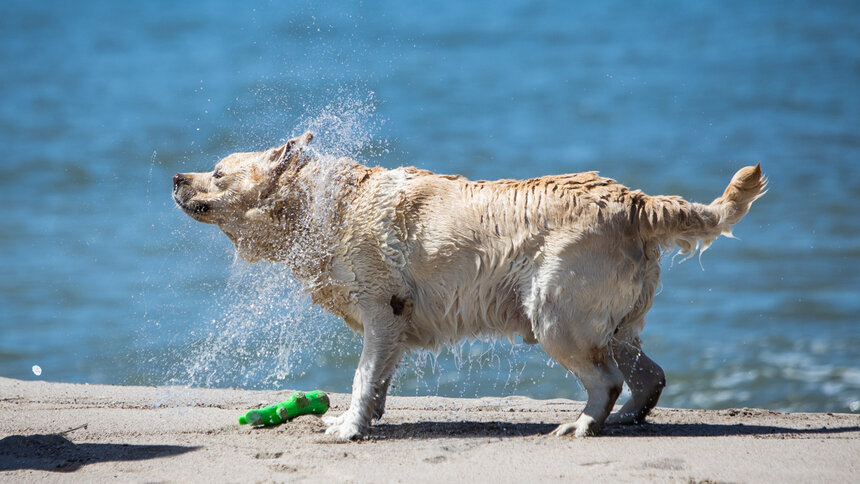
point(435, 323)
point(461, 299)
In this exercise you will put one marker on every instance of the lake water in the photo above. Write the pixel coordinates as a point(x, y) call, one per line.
point(103, 280)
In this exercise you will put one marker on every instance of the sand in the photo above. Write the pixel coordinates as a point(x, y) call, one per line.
point(72, 432)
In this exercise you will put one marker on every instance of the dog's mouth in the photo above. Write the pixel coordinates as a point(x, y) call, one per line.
point(191, 207)
point(198, 208)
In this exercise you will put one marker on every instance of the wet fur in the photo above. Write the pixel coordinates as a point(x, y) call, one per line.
point(415, 259)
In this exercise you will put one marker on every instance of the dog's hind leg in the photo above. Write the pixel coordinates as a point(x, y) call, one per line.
point(602, 381)
point(379, 357)
point(644, 377)
point(598, 372)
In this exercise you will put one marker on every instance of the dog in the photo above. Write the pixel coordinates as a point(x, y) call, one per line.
point(413, 259)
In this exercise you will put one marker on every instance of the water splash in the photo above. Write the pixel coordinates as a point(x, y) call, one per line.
point(267, 332)
point(473, 368)
point(345, 127)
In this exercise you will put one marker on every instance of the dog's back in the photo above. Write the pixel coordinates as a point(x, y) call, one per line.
point(478, 257)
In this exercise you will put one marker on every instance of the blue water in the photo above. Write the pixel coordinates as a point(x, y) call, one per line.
point(102, 280)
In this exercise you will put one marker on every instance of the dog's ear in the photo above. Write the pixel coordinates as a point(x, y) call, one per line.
point(289, 155)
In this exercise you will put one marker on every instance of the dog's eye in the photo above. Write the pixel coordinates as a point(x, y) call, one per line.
point(217, 174)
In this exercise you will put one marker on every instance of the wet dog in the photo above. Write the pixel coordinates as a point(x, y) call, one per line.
point(415, 259)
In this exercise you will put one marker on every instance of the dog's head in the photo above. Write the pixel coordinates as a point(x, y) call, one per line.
point(235, 194)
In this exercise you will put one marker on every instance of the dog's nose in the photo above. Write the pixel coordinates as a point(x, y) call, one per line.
point(179, 179)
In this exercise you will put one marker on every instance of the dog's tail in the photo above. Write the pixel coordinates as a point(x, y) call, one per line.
point(694, 226)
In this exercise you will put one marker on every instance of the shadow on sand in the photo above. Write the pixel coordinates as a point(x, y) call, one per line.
point(466, 429)
point(56, 453)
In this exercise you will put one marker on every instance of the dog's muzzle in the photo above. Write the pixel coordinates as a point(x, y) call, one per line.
point(181, 181)
point(178, 180)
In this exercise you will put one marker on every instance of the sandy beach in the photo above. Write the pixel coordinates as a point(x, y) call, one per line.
point(74, 432)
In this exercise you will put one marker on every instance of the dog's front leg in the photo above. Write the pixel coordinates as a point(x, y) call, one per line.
point(379, 357)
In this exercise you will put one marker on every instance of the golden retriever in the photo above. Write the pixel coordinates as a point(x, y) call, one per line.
point(415, 259)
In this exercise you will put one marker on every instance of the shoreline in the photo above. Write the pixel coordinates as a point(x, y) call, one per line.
point(82, 432)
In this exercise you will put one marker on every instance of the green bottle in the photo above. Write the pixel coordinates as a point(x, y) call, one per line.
point(300, 403)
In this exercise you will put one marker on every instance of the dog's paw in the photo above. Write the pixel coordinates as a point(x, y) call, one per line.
point(344, 426)
point(331, 420)
point(348, 430)
point(583, 427)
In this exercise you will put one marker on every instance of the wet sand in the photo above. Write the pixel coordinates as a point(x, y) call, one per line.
point(71, 432)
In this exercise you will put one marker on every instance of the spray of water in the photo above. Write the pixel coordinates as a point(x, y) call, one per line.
point(267, 332)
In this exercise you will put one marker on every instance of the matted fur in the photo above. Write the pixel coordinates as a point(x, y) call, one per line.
point(416, 259)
